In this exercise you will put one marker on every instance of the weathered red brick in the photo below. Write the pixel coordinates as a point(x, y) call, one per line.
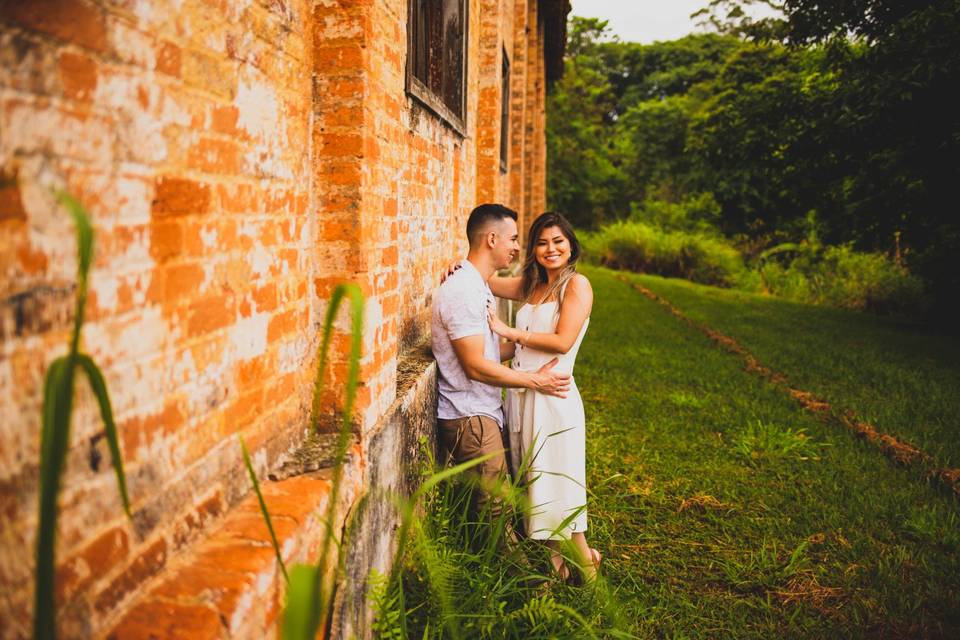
point(166, 240)
point(183, 280)
point(197, 518)
point(78, 73)
point(223, 119)
point(168, 58)
point(265, 297)
point(11, 205)
point(96, 559)
point(211, 155)
point(238, 556)
point(170, 621)
point(180, 196)
point(216, 587)
point(244, 409)
point(211, 313)
point(147, 564)
point(78, 21)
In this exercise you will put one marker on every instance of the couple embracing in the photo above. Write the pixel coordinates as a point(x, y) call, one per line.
point(539, 431)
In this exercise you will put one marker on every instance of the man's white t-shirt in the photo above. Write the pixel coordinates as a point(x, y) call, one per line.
point(460, 310)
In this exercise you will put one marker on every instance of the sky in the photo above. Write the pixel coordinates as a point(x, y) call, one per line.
point(644, 21)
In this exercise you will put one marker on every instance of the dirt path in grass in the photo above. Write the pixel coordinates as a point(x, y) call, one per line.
point(898, 451)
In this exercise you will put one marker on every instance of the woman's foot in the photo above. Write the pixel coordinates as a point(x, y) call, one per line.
point(596, 557)
point(560, 568)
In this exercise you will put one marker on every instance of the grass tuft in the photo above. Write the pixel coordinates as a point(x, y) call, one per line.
point(762, 442)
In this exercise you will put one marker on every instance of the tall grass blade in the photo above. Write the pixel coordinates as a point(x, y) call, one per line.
point(99, 386)
point(301, 615)
point(58, 397)
point(308, 598)
point(263, 507)
point(340, 292)
point(84, 258)
point(55, 429)
point(407, 506)
point(356, 342)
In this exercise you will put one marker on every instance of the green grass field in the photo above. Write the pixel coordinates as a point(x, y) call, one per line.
point(894, 375)
point(726, 511)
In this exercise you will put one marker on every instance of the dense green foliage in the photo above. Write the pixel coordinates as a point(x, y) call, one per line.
point(723, 509)
point(836, 120)
point(641, 247)
point(681, 240)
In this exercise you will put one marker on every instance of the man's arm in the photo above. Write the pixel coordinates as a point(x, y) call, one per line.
point(469, 350)
point(507, 351)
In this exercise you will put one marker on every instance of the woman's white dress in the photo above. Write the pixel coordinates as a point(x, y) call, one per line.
point(548, 433)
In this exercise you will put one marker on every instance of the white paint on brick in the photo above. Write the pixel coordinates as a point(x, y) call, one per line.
point(172, 112)
point(258, 108)
point(372, 320)
point(143, 139)
point(248, 336)
point(260, 260)
point(51, 229)
point(142, 335)
point(183, 369)
point(209, 273)
point(209, 237)
point(140, 285)
point(143, 9)
point(131, 45)
point(258, 257)
point(31, 128)
point(104, 284)
point(292, 355)
point(122, 199)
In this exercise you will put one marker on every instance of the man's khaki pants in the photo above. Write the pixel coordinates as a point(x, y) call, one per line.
point(464, 439)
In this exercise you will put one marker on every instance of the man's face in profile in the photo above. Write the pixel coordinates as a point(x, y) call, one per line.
point(507, 246)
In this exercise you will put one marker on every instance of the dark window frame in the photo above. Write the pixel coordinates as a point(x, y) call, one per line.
point(417, 88)
point(505, 113)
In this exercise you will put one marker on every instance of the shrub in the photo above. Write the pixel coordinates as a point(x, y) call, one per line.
point(697, 213)
point(637, 246)
point(841, 277)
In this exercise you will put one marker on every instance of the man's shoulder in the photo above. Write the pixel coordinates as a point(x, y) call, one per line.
point(458, 285)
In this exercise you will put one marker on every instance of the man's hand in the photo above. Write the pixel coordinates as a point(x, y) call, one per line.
point(549, 382)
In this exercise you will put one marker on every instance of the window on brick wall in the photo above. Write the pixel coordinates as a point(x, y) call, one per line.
point(505, 113)
point(436, 57)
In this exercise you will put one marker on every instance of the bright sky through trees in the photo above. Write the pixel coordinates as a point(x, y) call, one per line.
point(647, 21)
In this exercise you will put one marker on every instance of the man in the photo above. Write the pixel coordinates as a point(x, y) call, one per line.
point(470, 406)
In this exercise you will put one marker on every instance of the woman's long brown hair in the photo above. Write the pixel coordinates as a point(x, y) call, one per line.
point(534, 273)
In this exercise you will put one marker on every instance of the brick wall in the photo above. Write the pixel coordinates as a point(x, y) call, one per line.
point(239, 158)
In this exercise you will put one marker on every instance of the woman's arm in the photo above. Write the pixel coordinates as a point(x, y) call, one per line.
point(577, 303)
point(506, 287)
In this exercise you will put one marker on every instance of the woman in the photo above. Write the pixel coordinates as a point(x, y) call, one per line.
point(547, 433)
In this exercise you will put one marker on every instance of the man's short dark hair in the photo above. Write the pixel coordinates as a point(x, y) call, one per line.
point(482, 216)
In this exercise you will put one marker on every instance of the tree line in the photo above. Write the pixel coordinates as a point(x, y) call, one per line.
point(834, 124)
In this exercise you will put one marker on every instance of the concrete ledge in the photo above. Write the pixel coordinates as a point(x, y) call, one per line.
point(394, 452)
